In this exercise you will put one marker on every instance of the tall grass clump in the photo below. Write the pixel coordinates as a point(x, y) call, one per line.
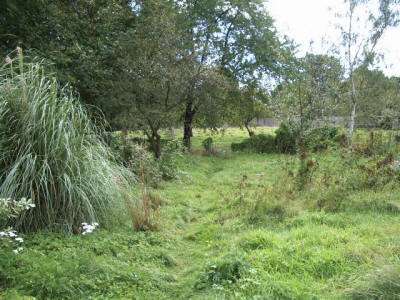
point(51, 153)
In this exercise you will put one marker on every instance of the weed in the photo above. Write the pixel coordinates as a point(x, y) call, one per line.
point(226, 270)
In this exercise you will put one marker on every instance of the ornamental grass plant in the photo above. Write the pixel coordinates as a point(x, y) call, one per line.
point(51, 152)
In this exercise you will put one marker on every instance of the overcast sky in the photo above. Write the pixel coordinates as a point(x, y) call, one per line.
point(312, 20)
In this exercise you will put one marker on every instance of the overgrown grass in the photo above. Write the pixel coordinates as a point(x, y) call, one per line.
point(234, 227)
point(50, 152)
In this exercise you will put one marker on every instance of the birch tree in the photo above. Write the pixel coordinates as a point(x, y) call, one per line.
point(361, 31)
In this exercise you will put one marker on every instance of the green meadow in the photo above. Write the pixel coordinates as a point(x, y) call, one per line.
point(233, 226)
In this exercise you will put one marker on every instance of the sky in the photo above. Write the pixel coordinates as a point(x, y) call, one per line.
point(314, 20)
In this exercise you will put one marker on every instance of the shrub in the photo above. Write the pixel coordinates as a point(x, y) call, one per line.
point(227, 270)
point(143, 165)
point(122, 146)
point(286, 138)
point(168, 162)
point(239, 147)
point(319, 139)
point(208, 144)
point(397, 138)
point(144, 212)
point(52, 153)
point(305, 172)
point(261, 143)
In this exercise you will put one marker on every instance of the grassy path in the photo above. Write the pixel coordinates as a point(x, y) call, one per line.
point(196, 216)
point(312, 254)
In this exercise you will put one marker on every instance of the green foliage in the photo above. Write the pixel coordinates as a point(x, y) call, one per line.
point(51, 153)
point(321, 138)
point(81, 40)
point(260, 143)
point(375, 143)
point(11, 209)
point(168, 162)
point(65, 267)
point(382, 283)
point(208, 145)
point(284, 141)
point(286, 138)
point(142, 163)
point(135, 155)
point(227, 270)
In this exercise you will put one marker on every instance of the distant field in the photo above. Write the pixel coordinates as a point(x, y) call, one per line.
point(234, 227)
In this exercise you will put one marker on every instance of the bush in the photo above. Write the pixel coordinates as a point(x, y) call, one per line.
point(168, 162)
point(52, 153)
point(286, 138)
point(227, 270)
point(376, 144)
point(261, 143)
point(143, 165)
point(123, 146)
point(135, 155)
point(319, 139)
point(208, 144)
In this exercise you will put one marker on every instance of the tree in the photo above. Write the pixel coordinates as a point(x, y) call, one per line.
point(359, 49)
point(78, 38)
point(238, 37)
point(153, 73)
point(311, 95)
point(379, 104)
point(249, 103)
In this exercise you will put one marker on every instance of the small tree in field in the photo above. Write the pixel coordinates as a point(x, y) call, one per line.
point(156, 72)
point(311, 95)
point(359, 50)
point(308, 99)
point(236, 37)
point(250, 103)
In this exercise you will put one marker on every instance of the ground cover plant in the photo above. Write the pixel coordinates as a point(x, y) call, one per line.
point(235, 227)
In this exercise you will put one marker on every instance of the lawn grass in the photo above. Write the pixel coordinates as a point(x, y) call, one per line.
point(214, 242)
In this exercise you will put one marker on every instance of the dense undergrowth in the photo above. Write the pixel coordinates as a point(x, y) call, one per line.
point(237, 227)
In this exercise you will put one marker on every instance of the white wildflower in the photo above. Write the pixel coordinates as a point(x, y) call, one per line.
point(19, 239)
point(18, 250)
point(12, 234)
point(88, 228)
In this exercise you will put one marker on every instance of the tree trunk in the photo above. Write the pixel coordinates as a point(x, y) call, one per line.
point(188, 125)
point(155, 144)
point(251, 132)
point(352, 123)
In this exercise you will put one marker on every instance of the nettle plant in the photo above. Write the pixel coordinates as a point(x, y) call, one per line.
point(11, 209)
